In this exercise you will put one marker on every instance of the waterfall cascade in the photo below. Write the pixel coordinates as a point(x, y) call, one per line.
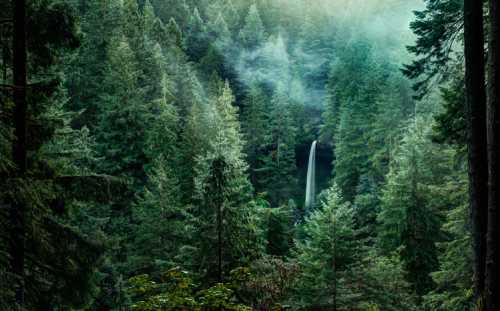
point(311, 177)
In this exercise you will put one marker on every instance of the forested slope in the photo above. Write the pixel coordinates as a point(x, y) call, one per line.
point(166, 152)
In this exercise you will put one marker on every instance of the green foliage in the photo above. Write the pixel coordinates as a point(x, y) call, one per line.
point(326, 253)
point(162, 223)
point(438, 28)
point(450, 124)
point(453, 278)
point(270, 283)
point(223, 193)
point(253, 33)
point(174, 290)
point(140, 160)
point(412, 206)
point(278, 166)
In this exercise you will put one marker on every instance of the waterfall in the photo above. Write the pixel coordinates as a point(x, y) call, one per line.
point(311, 177)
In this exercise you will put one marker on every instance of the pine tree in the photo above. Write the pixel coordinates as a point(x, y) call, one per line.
point(50, 262)
point(454, 277)
point(255, 125)
point(121, 128)
point(223, 193)
point(196, 36)
point(277, 172)
point(436, 27)
point(352, 112)
point(280, 231)
point(161, 222)
point(253, 33)
point(100, 23)
point(351, 154)
point(411, 213)
point(149, 16)
point(326, 254)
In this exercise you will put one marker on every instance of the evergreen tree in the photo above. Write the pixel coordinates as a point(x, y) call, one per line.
point(351, 154)
point(161, 222)
point(280, 229)
point(196, 37)
point(278, 170)
point(47, 262)
point(454, 277)
point(227, 237)
point(411, 211)
point(436, 27)
point(86, 70)
point(326, 255)
point(121, 127)
point(255, 125)
point(253, 33)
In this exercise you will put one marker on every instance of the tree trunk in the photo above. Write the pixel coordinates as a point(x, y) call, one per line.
point(334, 267)
point(4, 64)
point(17, 212)
point(493, 254)
point(219, 243)
point(476, 135)
point(218, 171)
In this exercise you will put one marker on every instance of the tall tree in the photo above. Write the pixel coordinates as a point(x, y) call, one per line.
point(411, 216)
point(19, 152)
point(253, 32)
point(255, 124)
point(326, 254)
point(278, 171)
point(196, 37)
point(493, 255)
point(476, 135)
point(454, 277)
point(225, 228)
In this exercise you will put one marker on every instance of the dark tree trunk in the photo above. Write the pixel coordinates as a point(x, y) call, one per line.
point(219, 243)
point(476, 135)
point(218, 171)
point(4, 64)
point(493, 254)
point(17, 213)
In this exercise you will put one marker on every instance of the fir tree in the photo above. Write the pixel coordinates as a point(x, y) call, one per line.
point(278, 170)
point(411, 215)
point(162, 223)
point(196, 37)
point(253, 33)
point(454, 277)
point(223, 192)
point(326, 254)
point(255, 124)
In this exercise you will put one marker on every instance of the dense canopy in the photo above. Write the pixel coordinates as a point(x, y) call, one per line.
point(156, 154)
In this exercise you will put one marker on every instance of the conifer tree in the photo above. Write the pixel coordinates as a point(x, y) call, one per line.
point(279, 235)
point(196, 36)
point(454, 277)
point(87, 69)
point(278, 170)
point(253, 33)
point(223, 193)
point(411, 214)
point(51, 264)
point(326, 254)
point(162, 222)
point(124, 116)
point(255, 124)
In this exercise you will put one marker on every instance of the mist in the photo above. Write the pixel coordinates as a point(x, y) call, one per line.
point(299, 56)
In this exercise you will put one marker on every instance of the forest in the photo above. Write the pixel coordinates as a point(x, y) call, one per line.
point(210, 155)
